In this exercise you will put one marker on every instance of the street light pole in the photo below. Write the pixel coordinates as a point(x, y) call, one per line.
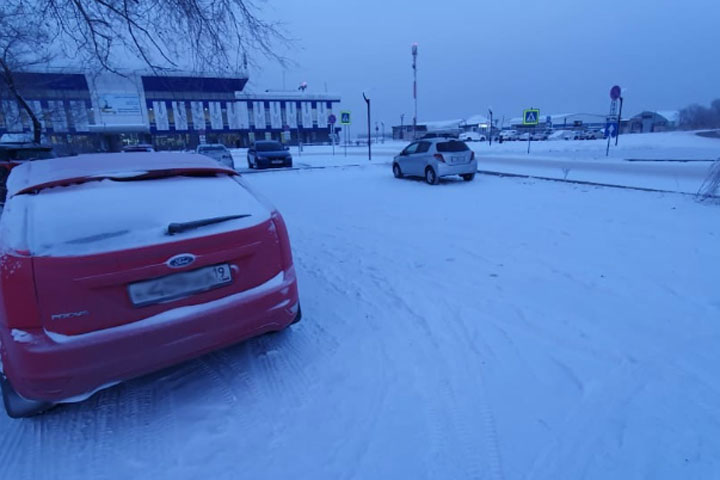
point(402, 126)
point(383, 131)
point(369, 131)
point(414, 66)
point(490, 130)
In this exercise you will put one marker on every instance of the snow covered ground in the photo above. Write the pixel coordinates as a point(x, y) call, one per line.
point(500, 329)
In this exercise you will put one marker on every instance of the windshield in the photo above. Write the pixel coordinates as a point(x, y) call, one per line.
point(269, 147)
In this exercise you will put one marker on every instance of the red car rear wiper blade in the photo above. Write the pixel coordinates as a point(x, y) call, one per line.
point(175, 228)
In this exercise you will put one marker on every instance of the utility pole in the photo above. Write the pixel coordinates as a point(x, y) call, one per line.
point(402, 126)
point(383, 131)
point(414, 67)
point(369, 131)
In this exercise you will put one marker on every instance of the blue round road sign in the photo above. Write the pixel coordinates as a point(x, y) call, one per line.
point(332, 119)
point(615, 92)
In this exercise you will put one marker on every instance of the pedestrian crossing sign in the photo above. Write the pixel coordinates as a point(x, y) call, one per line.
point(531, 116)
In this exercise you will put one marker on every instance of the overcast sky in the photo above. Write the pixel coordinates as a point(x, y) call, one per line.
point(561, 56)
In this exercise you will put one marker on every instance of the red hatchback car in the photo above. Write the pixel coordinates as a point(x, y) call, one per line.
point(113, 266)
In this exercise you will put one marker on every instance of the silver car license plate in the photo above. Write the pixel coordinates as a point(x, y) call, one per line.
point(456, 159)
point(179, 285)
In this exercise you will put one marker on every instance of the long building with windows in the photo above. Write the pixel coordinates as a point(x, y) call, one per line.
point(84, 111)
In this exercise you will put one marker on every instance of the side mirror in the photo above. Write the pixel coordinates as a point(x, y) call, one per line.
point(286, 148)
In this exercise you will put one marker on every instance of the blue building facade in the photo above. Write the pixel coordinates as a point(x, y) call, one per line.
point(174, 111)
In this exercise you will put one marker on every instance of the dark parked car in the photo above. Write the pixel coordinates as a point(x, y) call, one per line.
point(268, 153)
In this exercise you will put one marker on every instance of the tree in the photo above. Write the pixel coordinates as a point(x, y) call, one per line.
point(201, 35)
point(696, 117)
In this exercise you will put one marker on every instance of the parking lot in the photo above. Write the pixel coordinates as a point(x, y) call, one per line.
point(501, 328)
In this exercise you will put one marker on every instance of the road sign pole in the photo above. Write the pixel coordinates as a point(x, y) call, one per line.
point(619, 122)
point(529, 137)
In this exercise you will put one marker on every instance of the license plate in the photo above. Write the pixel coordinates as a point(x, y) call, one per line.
point(456, 159)
point(179, 285)
point(277, 162)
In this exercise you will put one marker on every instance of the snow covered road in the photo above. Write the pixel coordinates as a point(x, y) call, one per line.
point(498, 329)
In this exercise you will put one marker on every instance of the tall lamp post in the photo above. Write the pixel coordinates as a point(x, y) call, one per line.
point(402, 126)
point(490, 128)
point(369, 131)
point(383, 131)
point(414, 67)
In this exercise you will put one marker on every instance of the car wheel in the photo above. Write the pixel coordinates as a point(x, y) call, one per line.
point(396, 171)
point(468, 177)
point(431, 177)
point(18, 407)
point(250, 165)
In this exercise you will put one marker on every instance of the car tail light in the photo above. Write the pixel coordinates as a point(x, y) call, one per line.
point(472, 156)
point(439, 157)
point(18, 290)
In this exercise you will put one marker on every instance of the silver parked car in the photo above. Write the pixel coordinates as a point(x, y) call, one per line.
point(218, 152)
point(434, 158)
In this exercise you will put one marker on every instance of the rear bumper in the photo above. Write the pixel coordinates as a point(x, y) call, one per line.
point(444, 170)
point(51, 367)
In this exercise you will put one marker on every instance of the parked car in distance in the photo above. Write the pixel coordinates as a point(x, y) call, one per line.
point(434, 158)
point(140, 147)
point(189, 261)
point(269, 153)
point(540, 135)
point(508, 135)
point(594, 134)
point(525, 136)
point(472, 137)
point(561, 135)
point(218, 152)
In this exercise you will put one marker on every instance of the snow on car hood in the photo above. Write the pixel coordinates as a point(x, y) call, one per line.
point(109, 215)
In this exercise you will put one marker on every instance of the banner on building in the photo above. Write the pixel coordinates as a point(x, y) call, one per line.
point(291, 114)
point(79, 115)
point(259, 115)
point(216, 119)
point(307, 116)
point(180, 116)
point(198, 115)
point(275, 115)
point(162, 122)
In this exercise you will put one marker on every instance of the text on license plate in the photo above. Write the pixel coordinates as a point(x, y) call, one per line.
point(179, 285)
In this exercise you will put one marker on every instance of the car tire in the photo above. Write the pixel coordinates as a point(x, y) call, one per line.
point(250, 165)
point(468, 177)
point(431, 177)
point(18, 407)
point(396, 171)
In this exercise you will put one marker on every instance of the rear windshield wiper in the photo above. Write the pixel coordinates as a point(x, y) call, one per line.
point(175, 228)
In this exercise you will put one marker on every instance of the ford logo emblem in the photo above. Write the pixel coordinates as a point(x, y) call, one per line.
point(182, 260)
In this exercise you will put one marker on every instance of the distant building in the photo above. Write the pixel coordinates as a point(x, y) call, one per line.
point(475, 123)
point(84, 112)
point(661, 121)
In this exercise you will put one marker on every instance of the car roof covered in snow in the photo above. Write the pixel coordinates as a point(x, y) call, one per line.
point(40, 174)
